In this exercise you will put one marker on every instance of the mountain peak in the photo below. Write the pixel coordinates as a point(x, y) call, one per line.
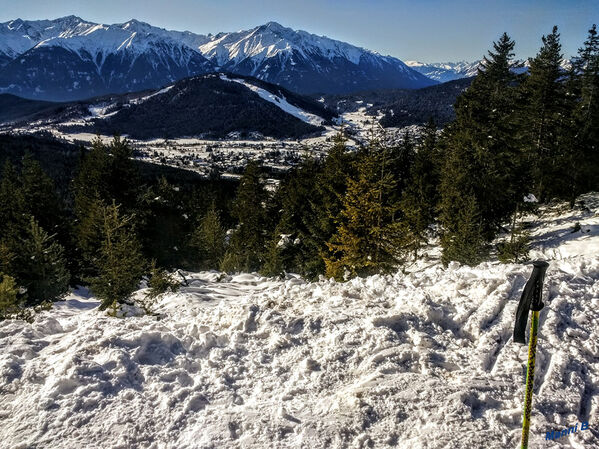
point(275, 26)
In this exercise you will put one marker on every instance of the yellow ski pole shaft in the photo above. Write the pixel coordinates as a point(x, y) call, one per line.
point(530, 377)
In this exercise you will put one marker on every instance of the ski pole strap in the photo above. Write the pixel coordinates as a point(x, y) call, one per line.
point(531, 299)
point(530, 377)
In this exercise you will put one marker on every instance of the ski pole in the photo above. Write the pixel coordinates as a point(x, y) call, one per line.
point(531, 299)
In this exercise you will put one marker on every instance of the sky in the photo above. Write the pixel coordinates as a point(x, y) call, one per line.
point(424, 30)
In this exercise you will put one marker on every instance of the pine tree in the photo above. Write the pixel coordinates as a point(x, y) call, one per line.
point(545, 120)
point(368, 239)
point(209, 239)
point(482, 166)
point(247, 246)
point(120, 264)
point(42, 266)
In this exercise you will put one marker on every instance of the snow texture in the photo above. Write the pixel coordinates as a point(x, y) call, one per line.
point(417, 360)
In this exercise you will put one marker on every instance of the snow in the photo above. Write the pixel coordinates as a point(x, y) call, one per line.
point(279, 101)
point(416, 360)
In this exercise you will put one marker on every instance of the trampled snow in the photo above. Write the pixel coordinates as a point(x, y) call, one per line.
point(423, 359)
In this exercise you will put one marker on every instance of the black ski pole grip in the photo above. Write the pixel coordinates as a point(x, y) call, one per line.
point(531, 299)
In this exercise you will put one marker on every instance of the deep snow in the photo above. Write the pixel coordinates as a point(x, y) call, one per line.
point(417, 360)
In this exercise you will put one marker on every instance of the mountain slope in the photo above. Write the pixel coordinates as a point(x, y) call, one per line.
point(15, 108)
point(212, 106)
point(69, 58)
point(307, 63)
point(423, 359)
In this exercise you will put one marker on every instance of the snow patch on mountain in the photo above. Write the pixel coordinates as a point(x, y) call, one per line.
point(279, 101)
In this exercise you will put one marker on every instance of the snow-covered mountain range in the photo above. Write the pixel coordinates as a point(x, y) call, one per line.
point(449, 71)
point(70, 58)
point(445, 71)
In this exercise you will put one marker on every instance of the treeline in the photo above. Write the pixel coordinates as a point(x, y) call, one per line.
point(354, 213)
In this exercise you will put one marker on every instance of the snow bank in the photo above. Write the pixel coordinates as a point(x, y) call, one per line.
point(421, 360)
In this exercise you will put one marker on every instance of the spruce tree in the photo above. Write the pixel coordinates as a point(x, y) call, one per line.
point(120, 264)
point(420, 197)
point(464, 242)
point(292, 247)
point(368, 240)
point(545, 120)
point(327, 203)
point(584, 86)
point(10, 304)
point(40, 196)
point(247, 245)
point(42, 266)
point(482, 167)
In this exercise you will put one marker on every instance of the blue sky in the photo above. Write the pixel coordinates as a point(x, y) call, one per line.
point(427, 30)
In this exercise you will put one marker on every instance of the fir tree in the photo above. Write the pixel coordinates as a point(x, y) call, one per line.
point(40, 196)
point(42, 266)
point(13, 213)
point(120, 264)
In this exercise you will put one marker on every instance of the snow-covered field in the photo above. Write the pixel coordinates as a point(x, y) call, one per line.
point(417, 360)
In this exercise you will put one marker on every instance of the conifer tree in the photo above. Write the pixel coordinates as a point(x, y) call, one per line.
point(10, 304)
point(42, 266)
point(368, 239)
point(420, 196)
point(482, 166)
point(292, 247)
point(13, 213)
point(120, 264)
point(247, 246)
point(464, 242)
point(40, 196)
point(209, 239)
point(545, 120)
point(91, 193)
point(326, 204)
point(584, 86)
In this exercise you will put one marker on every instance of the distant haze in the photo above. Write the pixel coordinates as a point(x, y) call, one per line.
point(427, 30)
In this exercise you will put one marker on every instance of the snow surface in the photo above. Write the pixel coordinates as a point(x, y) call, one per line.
point(417, 360)
point(280, 102)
